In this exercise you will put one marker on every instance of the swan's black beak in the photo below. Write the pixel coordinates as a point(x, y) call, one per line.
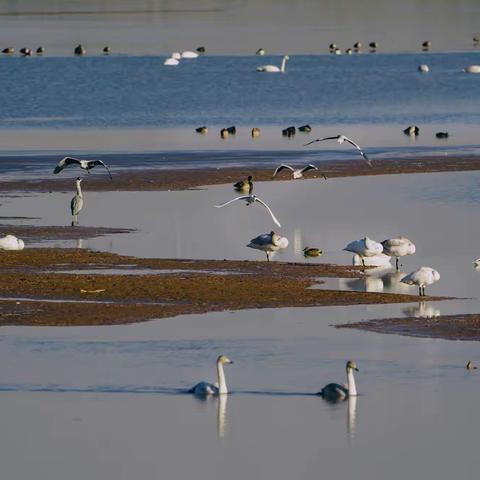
point(231, 362)
point(356, 369)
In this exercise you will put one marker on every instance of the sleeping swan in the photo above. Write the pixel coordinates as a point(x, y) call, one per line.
point(219, 388)
point(11, 242)
point(333, 392)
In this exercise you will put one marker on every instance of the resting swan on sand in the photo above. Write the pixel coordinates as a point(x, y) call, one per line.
point(219, 388)
point(334, 392)
point(269, 243)
point(11, 242)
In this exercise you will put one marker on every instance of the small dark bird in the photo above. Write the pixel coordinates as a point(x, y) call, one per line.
point(289, 131)
point(470, 366)
point(107, 50)
point(426, 45)
point(244, 185)
point(79, 50)
point(201, 50)
point(202, 130)
point(441, 134)
point(26, 52)
point(305, 128)
point(349, 51)
point(224, 133)
point(255, 132)
point(260, 51)
point(312, 252)
point(373, 45)
point(232, 130)
point(412, 131)
point(358, 45)
point(8, 51)
point(40, 51)
point(333, 46)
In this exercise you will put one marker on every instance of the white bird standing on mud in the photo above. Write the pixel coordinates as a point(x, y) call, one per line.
point(76, 204)
point(334, 392)
point(398, 247)
point(218, 388)
point(296, 173)
point(274, 68)
point(11, 242)
point(341, 139)
point(269, 243)
point(366, 247)
point(422, 277)
point(83, 164)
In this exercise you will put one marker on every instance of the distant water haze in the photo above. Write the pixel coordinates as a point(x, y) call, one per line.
point(230, 27)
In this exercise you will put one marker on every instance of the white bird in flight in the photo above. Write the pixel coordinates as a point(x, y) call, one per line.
point(249, 199)
point(297, 173)
point(341, 139)
point(83, 164)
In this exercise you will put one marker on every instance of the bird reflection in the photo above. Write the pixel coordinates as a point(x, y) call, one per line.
point(365, 284)
point(422, 310)
point(79, 243)
point(222, 416)
point(392, 284)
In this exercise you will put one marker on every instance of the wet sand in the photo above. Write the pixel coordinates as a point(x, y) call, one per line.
point(449, 327)
point(159, 179)
point(181, 287)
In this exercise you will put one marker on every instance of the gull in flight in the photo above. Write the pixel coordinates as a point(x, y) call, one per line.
point(84, 164)
point(341, 139)
point(250, 199)
point(297, 173)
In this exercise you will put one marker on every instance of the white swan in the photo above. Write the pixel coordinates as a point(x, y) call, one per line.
point(251, 198)
point(366, 247)
point(334, 392)
point(423, 68)
point(269, 243)
point(171, 62)
point(380, 260)
point(188, 54)
point(296, 173)
point(398, 247)
point(274, 68)
point(11, 242)
point(340, 139)
point(472, 69)
point(421, 277)
point(219, 388)
point(76, 204)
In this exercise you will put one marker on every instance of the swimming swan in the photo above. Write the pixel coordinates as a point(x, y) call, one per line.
point(274, 68)
point(11, 242)
point(333, 392)
point(219, 388)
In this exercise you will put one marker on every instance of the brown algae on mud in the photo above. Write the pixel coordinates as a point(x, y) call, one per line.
point(35, 290)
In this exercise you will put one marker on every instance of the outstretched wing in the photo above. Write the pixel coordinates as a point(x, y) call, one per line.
point(282, 167)
point(308, 167)
point(244, 197)
point(65, 162)
point(364, 155)
point(274, 218)
point(322, 139)
point(93, 163)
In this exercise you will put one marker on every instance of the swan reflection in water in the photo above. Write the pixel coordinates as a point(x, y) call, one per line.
point(352, 417)
point(222, 419)
point(376, 280)
point(422, 310)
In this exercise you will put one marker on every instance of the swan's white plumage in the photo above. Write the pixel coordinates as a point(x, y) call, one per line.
point(274, 68)
point(268, 243)
point(171, 61)
point(365, 247)
point(11, 242)
point(218, 388)
point(188, 54)
point(421, 278)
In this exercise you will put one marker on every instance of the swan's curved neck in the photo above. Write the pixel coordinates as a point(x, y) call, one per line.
point(352, 388)
point(222, 385)
point(79, 189)
point(284, 62)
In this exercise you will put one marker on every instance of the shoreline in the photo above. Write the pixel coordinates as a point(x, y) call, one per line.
point(37, 287)
point(148, 179)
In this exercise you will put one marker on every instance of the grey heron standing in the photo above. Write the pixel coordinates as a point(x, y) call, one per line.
point(76, 204)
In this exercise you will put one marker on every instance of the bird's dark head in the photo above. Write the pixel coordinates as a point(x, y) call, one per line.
point(249, 178)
